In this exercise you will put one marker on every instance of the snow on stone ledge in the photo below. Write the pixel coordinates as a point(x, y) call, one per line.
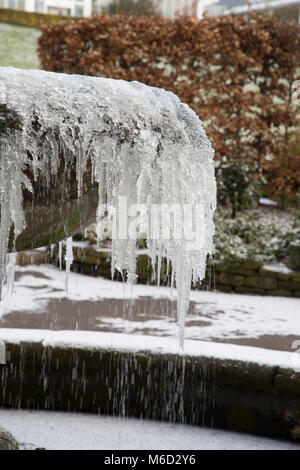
point(279, 268)
point(151, 344)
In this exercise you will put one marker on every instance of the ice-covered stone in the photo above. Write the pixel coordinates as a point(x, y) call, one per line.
point(7, 440)
point(134, 141)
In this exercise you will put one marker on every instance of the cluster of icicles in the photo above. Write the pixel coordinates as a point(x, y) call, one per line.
point(143, 144)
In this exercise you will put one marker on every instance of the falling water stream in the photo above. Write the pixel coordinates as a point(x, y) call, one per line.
point(143, 147)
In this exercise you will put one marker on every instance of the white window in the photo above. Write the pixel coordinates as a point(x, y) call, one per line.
point(78, 10)
point(59, 11)
point(39, 6)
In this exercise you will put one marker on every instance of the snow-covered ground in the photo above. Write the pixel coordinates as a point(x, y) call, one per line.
point(59, 431)
point(40, 290)
point(95, 314)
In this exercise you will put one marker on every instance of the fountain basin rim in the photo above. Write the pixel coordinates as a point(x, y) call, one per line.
point(123, 375)
point(142, 344)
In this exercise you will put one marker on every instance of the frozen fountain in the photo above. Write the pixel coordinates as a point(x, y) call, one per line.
point(73, 147)
point(74, 150)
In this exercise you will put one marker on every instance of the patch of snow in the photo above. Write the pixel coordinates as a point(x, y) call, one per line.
point(264, 201)
point(279, 268)
point(80, 431)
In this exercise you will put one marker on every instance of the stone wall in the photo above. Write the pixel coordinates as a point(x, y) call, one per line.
point(253, 278)
point(250, 277)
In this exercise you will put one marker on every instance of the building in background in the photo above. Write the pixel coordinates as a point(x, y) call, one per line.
point(56, 7)
point(174, 8)
point(282, 9)
point(168, 8)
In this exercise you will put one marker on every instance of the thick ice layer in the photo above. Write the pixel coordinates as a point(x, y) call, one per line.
point(143, 144)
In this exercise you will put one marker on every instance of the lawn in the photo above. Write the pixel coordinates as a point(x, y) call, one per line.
point(18, 46)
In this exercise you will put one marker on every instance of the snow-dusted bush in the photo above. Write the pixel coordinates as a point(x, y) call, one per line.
point(251, 236)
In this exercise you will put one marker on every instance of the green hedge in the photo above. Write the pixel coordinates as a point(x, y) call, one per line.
point(27, 18)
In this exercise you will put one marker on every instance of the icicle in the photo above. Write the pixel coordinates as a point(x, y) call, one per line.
point(69, 260)
point(183, 281)
point(142, 145)
point(10, 276)
point(159, 260)
point(60, 247)
point(4, 233)
point(172, 279)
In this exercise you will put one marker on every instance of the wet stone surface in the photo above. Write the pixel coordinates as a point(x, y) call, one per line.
point(7, 441)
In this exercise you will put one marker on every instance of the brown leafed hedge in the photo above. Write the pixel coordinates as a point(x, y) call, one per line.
point(236, 74)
